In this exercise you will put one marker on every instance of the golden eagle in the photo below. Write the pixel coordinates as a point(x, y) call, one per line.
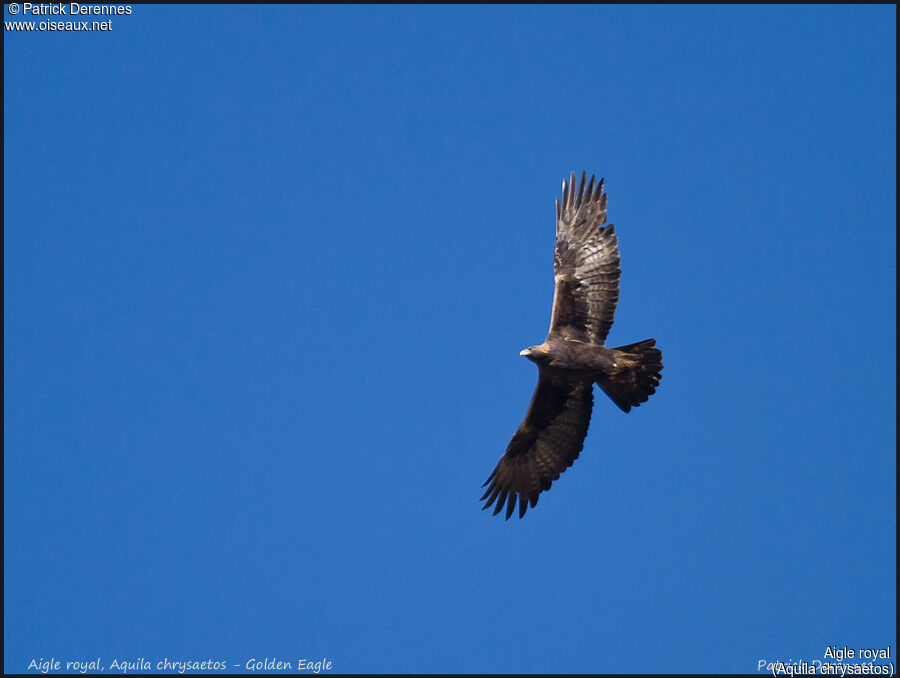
point(574, 355)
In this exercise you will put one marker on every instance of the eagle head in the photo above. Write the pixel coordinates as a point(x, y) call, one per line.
point(535, 353)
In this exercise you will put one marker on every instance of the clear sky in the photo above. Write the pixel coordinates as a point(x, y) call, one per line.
point(267, 272)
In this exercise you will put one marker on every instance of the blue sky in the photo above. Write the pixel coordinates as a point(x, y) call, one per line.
point(267, 272)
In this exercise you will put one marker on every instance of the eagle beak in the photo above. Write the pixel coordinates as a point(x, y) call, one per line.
point(525, 352)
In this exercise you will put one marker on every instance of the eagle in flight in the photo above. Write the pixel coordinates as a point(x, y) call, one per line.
point(574, 356)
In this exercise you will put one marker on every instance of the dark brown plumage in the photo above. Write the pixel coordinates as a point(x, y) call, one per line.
point(574, 356)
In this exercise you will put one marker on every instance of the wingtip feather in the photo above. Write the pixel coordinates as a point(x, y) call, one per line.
point(510, 505)
point(501, 500)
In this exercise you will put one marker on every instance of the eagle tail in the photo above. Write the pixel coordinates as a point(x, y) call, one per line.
point(638, 381)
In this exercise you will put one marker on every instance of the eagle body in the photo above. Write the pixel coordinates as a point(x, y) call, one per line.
point(574, 356)
point(575, 359)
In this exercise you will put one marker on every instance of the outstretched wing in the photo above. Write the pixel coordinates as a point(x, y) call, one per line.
point(585, 264)
point(546, 444)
